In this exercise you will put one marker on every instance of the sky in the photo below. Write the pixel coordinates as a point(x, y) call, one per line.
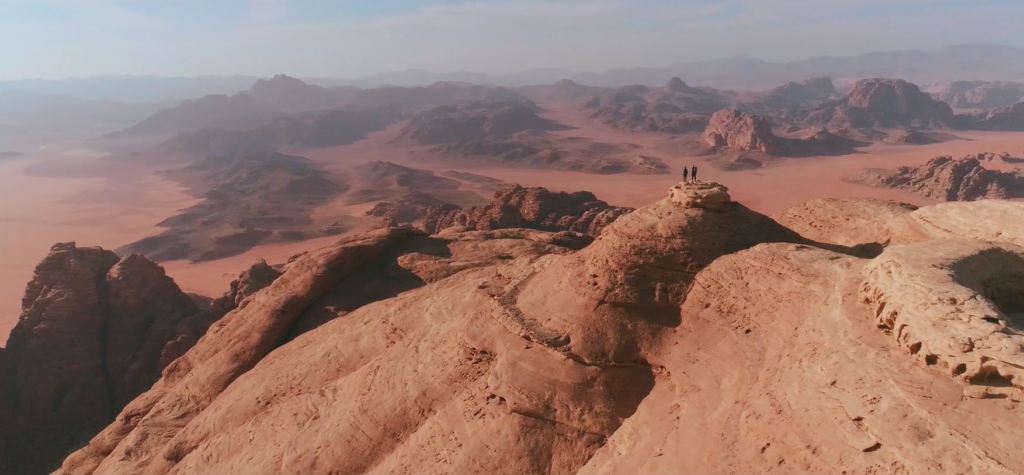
point(55, 39)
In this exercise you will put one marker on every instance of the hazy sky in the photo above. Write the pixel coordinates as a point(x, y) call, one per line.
point(348, 38)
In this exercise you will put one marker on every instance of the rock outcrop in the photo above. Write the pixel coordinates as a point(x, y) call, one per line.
point(1003, 119)
point(257, 277)
point(955, 304)
point(406, 209)
point(949, 179)
point(982, 94)
point(95, 332)
point(534, 208)
point(882, 103)
point(740, 131)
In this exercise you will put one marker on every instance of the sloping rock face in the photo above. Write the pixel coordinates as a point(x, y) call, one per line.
point(740, 131)
point(492, 369)
point(95, 332)
point(534, 208)
point(950, 179)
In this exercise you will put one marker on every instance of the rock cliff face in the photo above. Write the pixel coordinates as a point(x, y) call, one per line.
point(740, 131)
point(949, 179)
point(534, 208)
point(95, 332)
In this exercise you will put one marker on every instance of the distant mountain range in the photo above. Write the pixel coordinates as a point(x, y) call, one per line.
point(964, 62)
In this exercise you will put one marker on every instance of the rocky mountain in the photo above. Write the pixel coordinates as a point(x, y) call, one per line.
point(248, 199)
point(949, 179)
point(265, 100)
point(564, 91)
point(881, 103)
point(692, 312)
point(982, 94)
point(673, 108)
point(475, 121)
point(437, 94)
point(691, 321)
point(313, 129)
point(794, 96)
point(730, 129)
point(290, 95)
point(238, 112)
point(533, 208)
point(95, 332)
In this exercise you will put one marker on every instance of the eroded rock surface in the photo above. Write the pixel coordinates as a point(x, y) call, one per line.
point(740, 131)
point(950, 179)
point(954, 303)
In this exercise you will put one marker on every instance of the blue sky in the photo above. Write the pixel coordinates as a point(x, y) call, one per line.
point(349, 38)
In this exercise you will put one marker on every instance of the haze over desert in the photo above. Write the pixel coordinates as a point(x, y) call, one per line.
point(511, 237)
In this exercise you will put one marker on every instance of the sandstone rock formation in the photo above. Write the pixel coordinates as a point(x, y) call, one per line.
point(954, 303)
point(534, 208)
point(692, 335)
point(740, 131)
point(257, 277)
point(982, 94)
point(675, 108)
point(949, 179)
point(882, 103)
point(95, 332)
point(406, 209)
point(480, 374)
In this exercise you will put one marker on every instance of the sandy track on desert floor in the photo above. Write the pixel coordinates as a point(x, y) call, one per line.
point(38, 211)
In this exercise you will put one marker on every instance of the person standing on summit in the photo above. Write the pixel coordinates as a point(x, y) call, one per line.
point(693, 173)
point(684, 174)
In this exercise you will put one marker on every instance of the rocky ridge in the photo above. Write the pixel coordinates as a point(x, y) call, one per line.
point(949, 179)
point(523, 351)
point(534, 208)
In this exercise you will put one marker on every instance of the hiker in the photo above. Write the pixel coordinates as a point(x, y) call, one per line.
point(685, 170)
point(693, 173)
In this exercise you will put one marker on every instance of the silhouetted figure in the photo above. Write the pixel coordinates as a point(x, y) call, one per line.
point(693, 173)
point(685, 170)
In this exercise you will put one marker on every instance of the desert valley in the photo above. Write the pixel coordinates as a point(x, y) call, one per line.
point(464, 277)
